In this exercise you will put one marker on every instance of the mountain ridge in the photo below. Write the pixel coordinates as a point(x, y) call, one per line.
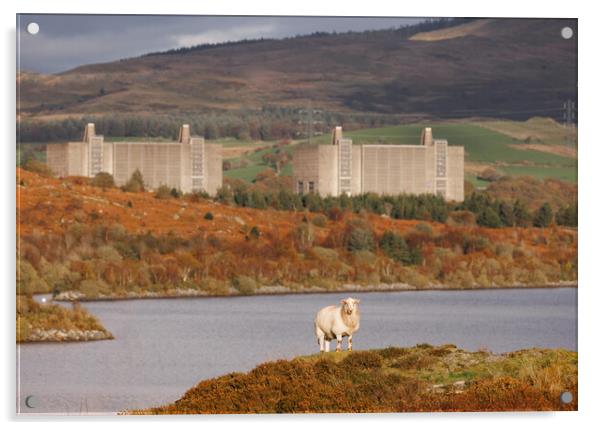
point(501, 68)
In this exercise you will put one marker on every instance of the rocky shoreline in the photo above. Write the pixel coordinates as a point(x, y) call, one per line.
point(62, 335)
point(73, 296)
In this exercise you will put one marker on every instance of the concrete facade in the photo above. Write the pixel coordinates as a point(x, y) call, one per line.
point(188, 165)
point(343, 168)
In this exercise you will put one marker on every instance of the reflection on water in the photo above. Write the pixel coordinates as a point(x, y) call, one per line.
point(163, 347)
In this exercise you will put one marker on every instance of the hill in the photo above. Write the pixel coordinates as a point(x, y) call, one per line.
point(513, 68)
point(82, 241)
point(418, 379)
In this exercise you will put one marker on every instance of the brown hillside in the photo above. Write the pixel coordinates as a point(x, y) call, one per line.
point(117, 244)
point(506, 68)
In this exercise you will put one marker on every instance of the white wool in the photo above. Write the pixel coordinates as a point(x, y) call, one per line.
point(336, 322)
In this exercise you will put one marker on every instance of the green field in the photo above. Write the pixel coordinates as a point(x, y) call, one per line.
point(255, 164)
point(482, 145)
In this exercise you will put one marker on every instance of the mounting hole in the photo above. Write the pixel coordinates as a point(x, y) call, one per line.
point(30, 402)
point(33, 28)
point(567, 32)
point(566, 397)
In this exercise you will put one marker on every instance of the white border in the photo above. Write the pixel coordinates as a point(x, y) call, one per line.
point(589, 198)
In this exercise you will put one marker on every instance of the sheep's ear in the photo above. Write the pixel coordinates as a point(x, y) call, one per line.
point(357, 301)
point(342, 301)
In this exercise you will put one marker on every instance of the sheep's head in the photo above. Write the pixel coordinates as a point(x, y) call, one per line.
point(350, 305)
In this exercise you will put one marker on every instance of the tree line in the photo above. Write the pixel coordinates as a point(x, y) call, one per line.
point(269, 123)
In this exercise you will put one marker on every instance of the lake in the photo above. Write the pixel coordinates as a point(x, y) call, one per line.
point(163, 347)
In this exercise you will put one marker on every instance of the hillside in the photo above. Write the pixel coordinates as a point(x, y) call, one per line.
point(85, 242)
point(497, 68)
point(418, 379)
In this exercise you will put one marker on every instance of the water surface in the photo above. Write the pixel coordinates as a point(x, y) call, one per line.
point(163, 347)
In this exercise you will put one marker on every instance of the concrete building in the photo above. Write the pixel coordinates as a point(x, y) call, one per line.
point(341, 167)
point(189, 164)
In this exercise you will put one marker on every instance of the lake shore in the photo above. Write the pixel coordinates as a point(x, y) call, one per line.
point(75, 296)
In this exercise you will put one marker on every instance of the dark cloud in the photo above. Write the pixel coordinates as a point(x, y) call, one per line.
point(67, 41)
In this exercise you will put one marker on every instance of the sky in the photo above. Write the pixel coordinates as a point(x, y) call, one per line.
point(67, 41)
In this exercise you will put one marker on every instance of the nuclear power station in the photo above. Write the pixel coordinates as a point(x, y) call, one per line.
point(432, 167)
point(189, 164)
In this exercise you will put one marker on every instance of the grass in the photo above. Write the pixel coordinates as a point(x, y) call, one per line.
point(568, 174)
point(481, 144)
point(255, 163)
point(393, 379)
point(32, 315)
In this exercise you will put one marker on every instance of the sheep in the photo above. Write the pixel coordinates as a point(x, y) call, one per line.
point(337, 322)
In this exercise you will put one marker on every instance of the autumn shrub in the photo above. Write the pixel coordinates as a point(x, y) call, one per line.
point(304, 236)
point(498, 394)
point(393, 352)
point(461, 218)
point(326, 255)
point(38, 167)
point(389, 380)
point(108, 253)
point(414, 278)
point(414, 361)
point(163, 192)
point(490, 175)
point(504, 250)
point(103, 180)
point(214, 286)
point(319, 221)
point(244, 284)
point(424, 228)
point(361, 360)
point(135, 184)
point(92, 288)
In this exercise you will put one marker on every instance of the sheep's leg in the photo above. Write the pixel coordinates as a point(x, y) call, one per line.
point(321, 342)
point(320, 336)
point(327, 345)
point(339, 342)
point(350, 345)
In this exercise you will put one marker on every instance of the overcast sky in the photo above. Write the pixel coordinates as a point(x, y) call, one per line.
point(67, 41)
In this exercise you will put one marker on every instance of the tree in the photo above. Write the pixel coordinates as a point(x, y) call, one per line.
point(359, 237)
point(103, 180)
point(136, 183)
point(28, 281)
point(543, 216)
point(490, 175)
point(522, 217)
point(489, 218)
point(567, 216)
point(506, 214)
point(395, 247)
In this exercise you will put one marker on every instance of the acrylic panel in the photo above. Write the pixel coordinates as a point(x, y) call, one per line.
point(279, 214)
